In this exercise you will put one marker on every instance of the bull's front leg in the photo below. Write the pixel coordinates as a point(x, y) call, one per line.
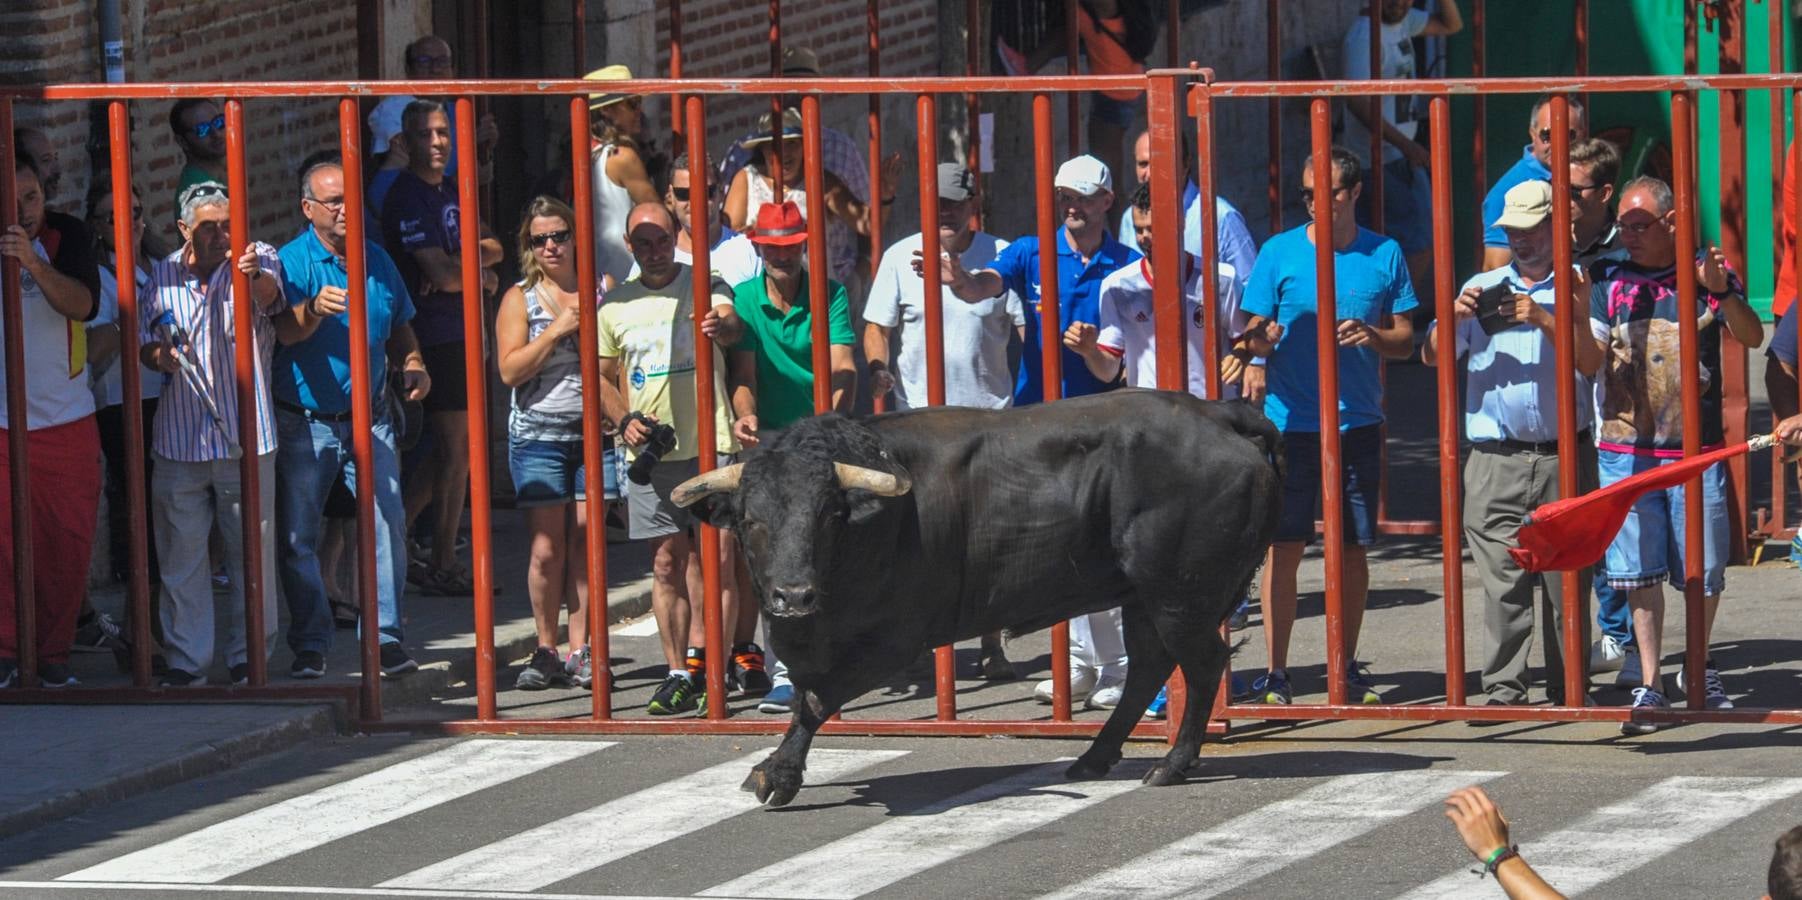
point(778, 778)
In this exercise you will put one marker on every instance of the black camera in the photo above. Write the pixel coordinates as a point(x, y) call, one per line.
point(1495, 308)
point(661, 441)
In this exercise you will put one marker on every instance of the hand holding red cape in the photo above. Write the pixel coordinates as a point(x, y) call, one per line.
point(1569, 534)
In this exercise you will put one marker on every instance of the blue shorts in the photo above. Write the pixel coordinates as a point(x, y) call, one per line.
point(548, 473)
point(1119, 113)
point(1407, 206)
point(1649, 548)
point(1361, 454)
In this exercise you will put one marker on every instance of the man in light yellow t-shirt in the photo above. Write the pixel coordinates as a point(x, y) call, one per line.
point(647, 349)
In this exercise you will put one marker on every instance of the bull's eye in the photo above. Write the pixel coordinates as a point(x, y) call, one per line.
point(756, 537)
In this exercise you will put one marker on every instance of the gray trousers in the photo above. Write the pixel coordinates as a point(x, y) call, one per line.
point(1501, 486)
point(190, 499)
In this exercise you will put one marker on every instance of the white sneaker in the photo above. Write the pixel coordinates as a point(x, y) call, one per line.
point(1606, 654)
point(1106, 697)
point(1082, 682)
point(1714, 694)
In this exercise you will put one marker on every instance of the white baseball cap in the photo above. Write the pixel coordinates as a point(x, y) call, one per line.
point(1085, 175)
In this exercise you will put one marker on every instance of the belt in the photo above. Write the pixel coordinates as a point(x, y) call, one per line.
point(313, 413)
point(1511, 445)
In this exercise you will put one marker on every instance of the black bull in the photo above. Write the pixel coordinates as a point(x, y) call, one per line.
point(870, 540)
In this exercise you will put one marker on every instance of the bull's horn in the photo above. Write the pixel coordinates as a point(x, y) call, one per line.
point(717, 481)
point(880, 483)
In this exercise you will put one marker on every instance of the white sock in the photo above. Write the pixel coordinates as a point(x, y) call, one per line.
point(683, 673)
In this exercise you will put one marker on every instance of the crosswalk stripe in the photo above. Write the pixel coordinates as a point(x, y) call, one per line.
point(644, 627)
point(1240, 851)
point(884, 854)
point(302, 823)
point(1630, 833)
point(588, 840)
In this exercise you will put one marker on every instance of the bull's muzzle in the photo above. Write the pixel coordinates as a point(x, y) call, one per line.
point(726, 479)
point(792, 601)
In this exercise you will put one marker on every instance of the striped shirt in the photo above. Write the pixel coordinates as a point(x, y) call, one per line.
point(184, 428)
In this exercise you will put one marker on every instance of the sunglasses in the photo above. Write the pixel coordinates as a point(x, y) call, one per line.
point(681, 193)
point(550, 237)
point(202, 129)
point(432, 62)
point(1578, 190)
point(1545, 135)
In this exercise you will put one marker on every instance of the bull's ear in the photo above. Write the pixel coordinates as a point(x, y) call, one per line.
point(719, 510)
point(862, 506)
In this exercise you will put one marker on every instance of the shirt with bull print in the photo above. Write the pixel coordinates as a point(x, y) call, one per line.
point(1634, 313)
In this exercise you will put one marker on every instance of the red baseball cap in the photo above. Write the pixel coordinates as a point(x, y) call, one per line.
point(779, 224)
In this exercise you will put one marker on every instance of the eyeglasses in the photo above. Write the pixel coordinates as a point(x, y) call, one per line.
point(681, 193)
point(330, 206)
point(549, 237)
point(1640, 227)
point(1545, 135)
point(202, 129)
point(432, 62)
point(1307, 194)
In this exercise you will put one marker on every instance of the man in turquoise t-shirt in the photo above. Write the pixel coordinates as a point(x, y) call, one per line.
point(1372, 290)
point(772, 365)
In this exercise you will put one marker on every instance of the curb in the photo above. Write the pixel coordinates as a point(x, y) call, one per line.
point(513, 640)
point(308, 722)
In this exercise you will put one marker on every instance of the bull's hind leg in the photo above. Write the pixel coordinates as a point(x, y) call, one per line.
point(1148, 665)
point(1203, 657)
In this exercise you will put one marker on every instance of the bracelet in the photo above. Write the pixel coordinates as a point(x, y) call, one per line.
point(312, 309)
point(1498, 856)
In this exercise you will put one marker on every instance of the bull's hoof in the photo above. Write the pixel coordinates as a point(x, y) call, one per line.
point(997, 667)
point(1086, 769)
point(1164, 775)
point(757, 782)
point(779, 797)
point(770, 787)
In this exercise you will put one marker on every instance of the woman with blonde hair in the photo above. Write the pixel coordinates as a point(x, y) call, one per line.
point(535, 340)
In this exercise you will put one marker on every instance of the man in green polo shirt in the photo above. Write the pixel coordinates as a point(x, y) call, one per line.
point(772, 365)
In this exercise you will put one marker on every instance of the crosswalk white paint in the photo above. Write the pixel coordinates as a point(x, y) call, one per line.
point(588, 840)
point(1629, 833)
point(1211, 862)
point(645, 627)
point(303, 823)
point(929, 837)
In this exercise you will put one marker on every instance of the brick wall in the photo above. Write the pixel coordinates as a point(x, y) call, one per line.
point(50, 41)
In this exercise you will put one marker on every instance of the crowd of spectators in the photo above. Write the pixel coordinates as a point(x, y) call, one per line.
point(757, 318)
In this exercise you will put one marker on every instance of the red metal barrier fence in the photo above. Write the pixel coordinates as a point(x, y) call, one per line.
point(1170, 94)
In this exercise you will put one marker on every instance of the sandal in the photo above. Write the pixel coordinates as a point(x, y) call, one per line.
point(448, 583)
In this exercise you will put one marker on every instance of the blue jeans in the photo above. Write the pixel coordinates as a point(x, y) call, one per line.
point(1612, 615)
point(312, 453)
point(1650, 547)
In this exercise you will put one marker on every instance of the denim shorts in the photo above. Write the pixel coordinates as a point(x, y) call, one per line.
point(1649, 548)
point(1407, 206)
point(1361, 457)
point(547, 473)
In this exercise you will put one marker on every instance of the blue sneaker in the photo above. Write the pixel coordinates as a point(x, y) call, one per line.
point(1159, 704)
point(1358, 686)
point(1241, 616)
point(1236, 691)
point(778, 700)
point(1271, 687)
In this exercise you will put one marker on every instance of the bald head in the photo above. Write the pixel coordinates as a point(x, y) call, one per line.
point(36, 144)
point(651, 235)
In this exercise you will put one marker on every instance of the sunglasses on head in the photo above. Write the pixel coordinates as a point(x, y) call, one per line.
point(549, 237)
point(202, 129)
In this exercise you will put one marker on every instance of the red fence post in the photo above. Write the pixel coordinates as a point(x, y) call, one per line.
point(874, 18)
point(1332, 490)
point(1479, 67)
point(1050, 341)
point(926, 117)
point(1683, 173)
point(362, 414)
point(1169, 322)
point(1203, 108)
point(1451, 493)
point(1273, 70)
point(481, 528)
point(587, 332)
point(1568, 311)
point(675, 65)
point(820, 267)
point(1730, 25)
point(244, 314)
point(131, 379)
point(17, 408)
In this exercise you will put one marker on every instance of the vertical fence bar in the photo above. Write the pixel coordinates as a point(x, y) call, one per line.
point(1780, 190)
point(578, 33)
point(1683, 172)
point(1202, 97)
point(1573, 611)
point(1580, 33)
point(244, 313)
point(820, 268)
point(1451, 494)
point(1050, 342)
point(1072, 52)
point(131, 379)
point(18, 418)
point(1691, 56)
point(1173, 34)
point(973, 59)
point(776, 173)
point(873, 17)
point(1326, 322)
point(1780, 482)
point(362, 413)
point(1166, 257)
point(1730, 28)
point(481, 534)
point(1273, 110)
point(588, 333)
point(1373, 188)
point(1479, 68)
point(675, 65)
point(926, 117)
point(706, 435)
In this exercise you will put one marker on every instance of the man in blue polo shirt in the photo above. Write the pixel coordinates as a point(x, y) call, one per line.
point(1370, 278)
point(312, 413)
point(1086, 254)
point(1535, 164)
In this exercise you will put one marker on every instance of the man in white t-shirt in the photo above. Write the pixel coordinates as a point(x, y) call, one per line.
point(976, 334)
point(1407, 197)
point(730, 255)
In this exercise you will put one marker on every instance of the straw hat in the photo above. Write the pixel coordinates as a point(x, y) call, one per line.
point(608, 73)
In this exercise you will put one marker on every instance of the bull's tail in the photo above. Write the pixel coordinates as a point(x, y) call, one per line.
point(1253, 426)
